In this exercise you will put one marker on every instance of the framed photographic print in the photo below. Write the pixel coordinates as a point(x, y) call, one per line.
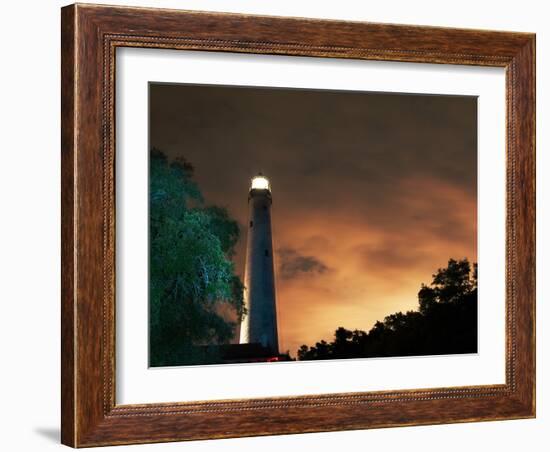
point(281, 225)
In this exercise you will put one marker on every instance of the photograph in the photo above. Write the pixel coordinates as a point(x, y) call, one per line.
point(290, 224)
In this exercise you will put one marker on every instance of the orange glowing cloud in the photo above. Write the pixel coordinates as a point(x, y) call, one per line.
point(358, 273)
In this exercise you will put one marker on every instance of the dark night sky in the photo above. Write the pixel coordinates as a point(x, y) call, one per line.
point(372, 192)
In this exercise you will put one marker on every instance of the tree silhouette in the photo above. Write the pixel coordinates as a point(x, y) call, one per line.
point(445, 323)
point(190, 271)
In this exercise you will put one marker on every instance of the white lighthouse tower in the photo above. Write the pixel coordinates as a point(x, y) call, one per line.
point(259, 325)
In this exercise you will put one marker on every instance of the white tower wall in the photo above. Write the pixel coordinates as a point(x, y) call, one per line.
point(259, 325)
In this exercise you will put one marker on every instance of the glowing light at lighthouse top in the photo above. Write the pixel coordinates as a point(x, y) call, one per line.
point(260, 183)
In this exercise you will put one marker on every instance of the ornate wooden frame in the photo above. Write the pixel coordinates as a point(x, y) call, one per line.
point(90, 35)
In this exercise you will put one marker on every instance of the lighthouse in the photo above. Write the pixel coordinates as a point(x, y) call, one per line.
point(259, 325)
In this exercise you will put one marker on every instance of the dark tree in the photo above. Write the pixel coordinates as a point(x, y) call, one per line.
point(445, 323)
point(190, 272)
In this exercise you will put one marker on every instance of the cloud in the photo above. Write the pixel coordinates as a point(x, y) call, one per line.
point(292, 264)
point(392, 255)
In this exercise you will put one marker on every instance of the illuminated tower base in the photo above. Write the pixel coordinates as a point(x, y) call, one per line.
point(259, 325)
